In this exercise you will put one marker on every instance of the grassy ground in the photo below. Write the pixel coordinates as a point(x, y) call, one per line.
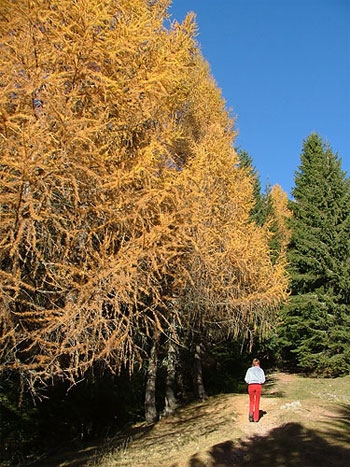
point(305, 423)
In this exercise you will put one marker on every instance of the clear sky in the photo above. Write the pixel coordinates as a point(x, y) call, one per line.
point(284, 70)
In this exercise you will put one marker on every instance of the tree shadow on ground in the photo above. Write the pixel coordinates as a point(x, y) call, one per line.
point(290, 445)
point(79, 456)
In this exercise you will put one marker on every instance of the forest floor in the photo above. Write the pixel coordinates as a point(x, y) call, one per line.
point(305, 423)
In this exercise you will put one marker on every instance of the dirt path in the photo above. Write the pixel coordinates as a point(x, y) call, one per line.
point(269, 405)
point(268, 421)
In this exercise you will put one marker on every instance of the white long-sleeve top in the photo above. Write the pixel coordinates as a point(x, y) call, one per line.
point(255, 375)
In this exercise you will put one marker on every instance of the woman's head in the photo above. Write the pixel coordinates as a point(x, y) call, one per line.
point(256, 362)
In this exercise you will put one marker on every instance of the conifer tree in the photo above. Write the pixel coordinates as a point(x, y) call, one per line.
point(315, 333)
point(259, 208)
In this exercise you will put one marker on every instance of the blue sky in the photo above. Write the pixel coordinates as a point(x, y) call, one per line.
point(284, 70)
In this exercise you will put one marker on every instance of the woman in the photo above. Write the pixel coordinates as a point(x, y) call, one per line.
point(255, 378)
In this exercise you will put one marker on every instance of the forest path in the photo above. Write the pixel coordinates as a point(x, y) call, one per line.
point(304, 424)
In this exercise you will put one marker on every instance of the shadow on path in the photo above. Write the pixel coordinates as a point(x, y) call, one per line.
point(290, 445)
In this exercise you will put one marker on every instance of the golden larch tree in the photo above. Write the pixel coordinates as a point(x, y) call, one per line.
point(122, 207)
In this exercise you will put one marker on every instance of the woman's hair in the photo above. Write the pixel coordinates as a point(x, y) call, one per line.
point(256, 362)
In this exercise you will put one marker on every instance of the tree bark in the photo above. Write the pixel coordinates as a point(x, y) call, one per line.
point(170, 396)
point(198, 376)
point(151, 415)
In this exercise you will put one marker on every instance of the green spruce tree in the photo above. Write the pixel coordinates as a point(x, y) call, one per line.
point(259, 210)
point(315, 333)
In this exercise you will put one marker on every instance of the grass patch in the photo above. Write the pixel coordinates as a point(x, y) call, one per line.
point(335, 390)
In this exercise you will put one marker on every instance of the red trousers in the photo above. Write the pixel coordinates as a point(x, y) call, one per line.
point(254, 391)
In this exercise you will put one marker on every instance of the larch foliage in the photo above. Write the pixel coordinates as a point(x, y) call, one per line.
point(277, 221)
point(119, 191)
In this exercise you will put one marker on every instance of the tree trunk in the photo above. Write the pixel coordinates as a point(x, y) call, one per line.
point(198, 377)
point(151, 415)
point(170, 397)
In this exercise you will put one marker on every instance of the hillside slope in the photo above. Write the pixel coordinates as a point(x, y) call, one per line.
point(305, 423)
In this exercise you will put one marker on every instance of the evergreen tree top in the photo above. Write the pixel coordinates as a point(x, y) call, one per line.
point(319, 173)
